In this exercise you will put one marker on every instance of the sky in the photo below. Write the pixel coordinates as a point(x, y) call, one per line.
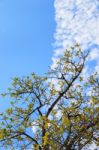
point(33, 33)
point(77, 22)
point(26, 39)
point(26, 36)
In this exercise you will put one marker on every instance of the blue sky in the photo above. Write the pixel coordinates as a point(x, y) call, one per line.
point(28, 29)
point(26, 37)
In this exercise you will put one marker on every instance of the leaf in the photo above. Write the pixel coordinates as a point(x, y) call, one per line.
point(81, 78)
point(3, 94)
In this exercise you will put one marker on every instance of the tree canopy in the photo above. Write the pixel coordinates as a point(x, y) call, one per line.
point(56, 111)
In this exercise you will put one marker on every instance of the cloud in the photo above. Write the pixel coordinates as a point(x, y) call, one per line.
point(77, 22)
point(94, 55)
point(35, 126)
point(91, 147)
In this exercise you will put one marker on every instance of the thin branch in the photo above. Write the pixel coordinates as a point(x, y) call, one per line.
point(34, 140)
point(61, 94)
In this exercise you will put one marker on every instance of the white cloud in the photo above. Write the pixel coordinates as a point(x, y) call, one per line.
point(77, 21)
point(35, 127)
point(91, 147)
point(54, 65)
point(94, 54)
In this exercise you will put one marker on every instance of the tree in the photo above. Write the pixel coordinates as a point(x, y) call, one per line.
point(58, 111)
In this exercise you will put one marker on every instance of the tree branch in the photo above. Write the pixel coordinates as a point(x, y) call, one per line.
point(61, 94)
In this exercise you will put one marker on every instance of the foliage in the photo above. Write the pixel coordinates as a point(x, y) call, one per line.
point(58, 111)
